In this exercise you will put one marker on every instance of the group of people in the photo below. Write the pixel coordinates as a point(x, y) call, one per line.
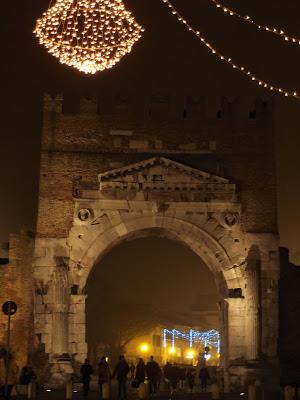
point(176, 376)
point(151, 371)
point(172, 374)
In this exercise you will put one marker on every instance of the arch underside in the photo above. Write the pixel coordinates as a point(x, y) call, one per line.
point(200, 242)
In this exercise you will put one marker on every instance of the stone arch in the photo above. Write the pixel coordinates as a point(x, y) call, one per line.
point(212, 253)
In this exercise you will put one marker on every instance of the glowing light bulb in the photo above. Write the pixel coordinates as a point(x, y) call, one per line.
point(144, 347)
point(88, 35)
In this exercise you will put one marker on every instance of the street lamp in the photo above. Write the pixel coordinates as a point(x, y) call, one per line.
point(144, 347)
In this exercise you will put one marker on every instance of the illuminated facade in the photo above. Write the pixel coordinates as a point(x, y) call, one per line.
point(165, 167)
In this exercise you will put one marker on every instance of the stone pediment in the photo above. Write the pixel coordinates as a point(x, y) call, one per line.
point(159, 174)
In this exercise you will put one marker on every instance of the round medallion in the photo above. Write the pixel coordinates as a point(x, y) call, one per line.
point(84, 214)
point(230, 219)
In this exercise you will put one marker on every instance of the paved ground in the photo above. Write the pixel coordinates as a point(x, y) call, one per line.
point(132, 395)
point(164, 394)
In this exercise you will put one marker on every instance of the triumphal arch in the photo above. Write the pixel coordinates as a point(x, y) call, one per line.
point(196, 172)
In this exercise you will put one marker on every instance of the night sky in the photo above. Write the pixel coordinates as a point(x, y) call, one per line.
point(168, 59)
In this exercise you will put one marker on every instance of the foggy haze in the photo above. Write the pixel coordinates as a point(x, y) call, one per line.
point(144, 282)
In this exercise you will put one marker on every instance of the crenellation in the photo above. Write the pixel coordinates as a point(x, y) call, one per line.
point(52, 104)
point(183, 108)
point(88, 106)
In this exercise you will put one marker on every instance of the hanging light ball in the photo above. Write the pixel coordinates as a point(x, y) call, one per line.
point(90, 35)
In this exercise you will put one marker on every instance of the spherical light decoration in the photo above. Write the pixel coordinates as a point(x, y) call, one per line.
point(90, 35)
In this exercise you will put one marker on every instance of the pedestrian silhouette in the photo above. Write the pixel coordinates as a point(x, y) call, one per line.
point(86, 371)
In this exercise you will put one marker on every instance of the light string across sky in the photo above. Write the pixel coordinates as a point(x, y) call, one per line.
point(247, 18)
point(93, 35)
point(242, 69)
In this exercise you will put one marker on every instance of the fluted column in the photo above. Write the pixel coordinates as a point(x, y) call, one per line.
point(60, 311)
point(253, 313)
point(223, 317)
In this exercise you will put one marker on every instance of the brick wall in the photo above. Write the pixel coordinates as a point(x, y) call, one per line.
point(117, 131)
point(16, 284)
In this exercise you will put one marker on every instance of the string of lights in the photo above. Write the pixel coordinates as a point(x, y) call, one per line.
point(275, 31)
point(208, 338)
point(90, 35)
point(242, 69)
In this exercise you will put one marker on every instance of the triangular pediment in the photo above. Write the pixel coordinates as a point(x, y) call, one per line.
point(160, 173)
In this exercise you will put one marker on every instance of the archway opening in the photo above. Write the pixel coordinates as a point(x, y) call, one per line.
point(151, 295)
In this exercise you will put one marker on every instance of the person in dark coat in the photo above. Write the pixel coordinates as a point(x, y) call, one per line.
point(86, 371)
point(153, 374)
point(103, 373)
point(121, 371)
point(203, 376)
point(27, 375)
point(140, 371)
point(166, 371)
point(190, 377)
point(174, 376)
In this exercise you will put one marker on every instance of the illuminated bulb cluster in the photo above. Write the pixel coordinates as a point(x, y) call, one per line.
point(229, 60)
point(90, 35)
point(250, 20)
point(208, 338)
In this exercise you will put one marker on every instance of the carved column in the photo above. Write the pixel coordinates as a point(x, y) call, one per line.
point(253, 312)
point(223, 317)
point(60, 310)
point(223, 310)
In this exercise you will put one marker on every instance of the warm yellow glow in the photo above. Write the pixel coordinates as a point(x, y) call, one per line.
point(90, 35)
point(242, 69)
point(144, 347)
point(171, 350)
point(190, 354)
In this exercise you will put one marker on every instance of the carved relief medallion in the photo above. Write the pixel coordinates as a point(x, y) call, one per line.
point(230, 219)
point(84, 214)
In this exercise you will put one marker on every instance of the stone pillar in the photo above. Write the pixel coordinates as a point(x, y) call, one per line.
point(60, 310)
point(253, 312)
point(223, 310)
point(223, 317)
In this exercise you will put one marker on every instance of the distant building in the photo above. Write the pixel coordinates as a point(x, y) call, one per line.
point(177, 344)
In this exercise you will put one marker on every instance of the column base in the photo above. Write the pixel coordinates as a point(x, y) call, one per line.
point(265, 376)
point(61, 371)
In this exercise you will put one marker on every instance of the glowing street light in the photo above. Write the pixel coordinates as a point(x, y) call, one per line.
point(144, 347)
point(190, 354)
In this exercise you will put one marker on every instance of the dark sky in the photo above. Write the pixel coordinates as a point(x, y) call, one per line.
point(167, 59)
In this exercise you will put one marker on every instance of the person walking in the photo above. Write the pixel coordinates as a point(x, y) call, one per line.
point(190, 377)
point(140, 372)
point(174, 377)
point(121, 371)
point(103, 374)
point(153, 374)
point(27, 375)
point(203, 376)
point(86, 371)
point(166, 372)
point(131, 370)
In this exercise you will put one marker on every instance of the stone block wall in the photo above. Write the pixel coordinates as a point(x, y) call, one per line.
point(16, 284)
